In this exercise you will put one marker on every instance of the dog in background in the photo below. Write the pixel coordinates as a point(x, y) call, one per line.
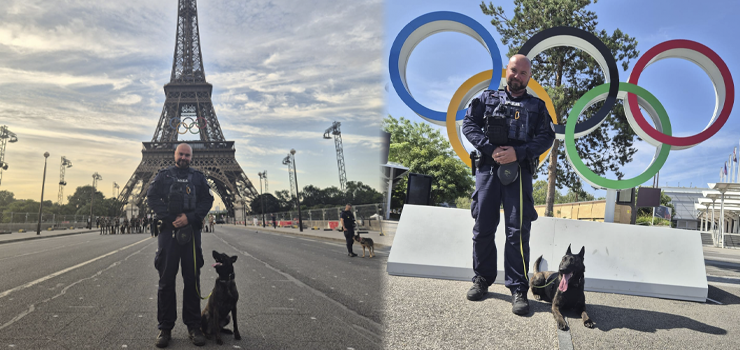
point(222, 301)
point(563, 288)
point(366, 242)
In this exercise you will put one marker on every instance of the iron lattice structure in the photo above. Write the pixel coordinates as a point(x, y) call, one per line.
point(5, 137)
point(66, 163)
point(334, 130)
point(188, 100)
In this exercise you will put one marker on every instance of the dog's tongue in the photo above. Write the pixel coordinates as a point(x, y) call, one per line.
point(216, 264)
point(564, 282)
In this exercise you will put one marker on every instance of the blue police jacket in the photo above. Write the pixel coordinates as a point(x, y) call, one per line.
point(156, 196)
point(540, 130)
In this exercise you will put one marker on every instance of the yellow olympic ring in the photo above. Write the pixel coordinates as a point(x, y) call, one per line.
point(473, 85)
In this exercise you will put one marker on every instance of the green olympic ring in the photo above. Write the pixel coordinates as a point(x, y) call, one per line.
point(649, 103)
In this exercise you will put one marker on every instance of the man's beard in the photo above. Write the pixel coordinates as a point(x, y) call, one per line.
point(515, 86)
point(182, 163)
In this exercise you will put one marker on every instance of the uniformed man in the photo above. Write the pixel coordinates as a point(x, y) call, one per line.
point(510, 129)
point(348, 226)
point(180, 198)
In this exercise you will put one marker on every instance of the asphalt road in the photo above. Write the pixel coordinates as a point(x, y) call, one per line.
point(89, 291)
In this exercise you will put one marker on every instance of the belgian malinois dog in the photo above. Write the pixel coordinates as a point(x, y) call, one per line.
point(366, 242)
point(563, 288)
point(222, 301)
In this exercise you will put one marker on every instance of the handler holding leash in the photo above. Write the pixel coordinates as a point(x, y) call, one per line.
point(510, 129)
point(180, 198)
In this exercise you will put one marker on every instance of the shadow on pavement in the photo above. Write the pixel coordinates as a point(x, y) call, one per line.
point(722, 296)
point(610, 317)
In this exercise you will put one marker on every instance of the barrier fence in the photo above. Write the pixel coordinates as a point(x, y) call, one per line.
point(367, 217)
point(13, 222)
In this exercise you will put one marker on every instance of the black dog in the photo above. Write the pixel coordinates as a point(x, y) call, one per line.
point(563, 288)
point(222, 301)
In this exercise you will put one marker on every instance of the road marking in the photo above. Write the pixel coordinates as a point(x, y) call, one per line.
point(55, 274)
point(565, 342)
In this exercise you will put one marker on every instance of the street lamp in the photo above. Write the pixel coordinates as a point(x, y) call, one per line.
point(262, 197)
point(95, 177)
point(297, 192)
point(41, 205)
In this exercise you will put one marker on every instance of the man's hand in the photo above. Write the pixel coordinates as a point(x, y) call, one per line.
point(504, 155)
point(181, 221)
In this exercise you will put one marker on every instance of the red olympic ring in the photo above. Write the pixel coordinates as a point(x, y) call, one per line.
point(652, 56)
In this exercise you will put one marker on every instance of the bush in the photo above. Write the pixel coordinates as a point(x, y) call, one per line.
point(647, 219)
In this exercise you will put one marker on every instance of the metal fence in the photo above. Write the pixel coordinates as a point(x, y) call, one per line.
point(366, 216)
point(13, 222)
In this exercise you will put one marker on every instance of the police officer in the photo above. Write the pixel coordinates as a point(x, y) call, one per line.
point(180, 198)
point(510, 129)
point(348, 226)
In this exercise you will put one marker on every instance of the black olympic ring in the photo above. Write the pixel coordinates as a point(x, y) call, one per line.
point(541, 39)
point(189, 127)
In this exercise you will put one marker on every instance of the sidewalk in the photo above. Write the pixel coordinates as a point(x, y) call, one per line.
point(378, 240)
point(25, 236)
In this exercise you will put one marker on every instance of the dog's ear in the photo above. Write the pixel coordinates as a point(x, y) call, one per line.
point(233, 259)
point(582, 252)
point(216, 255)
point(568, 252)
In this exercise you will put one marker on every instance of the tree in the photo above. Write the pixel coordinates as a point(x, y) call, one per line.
point(272, 204)
point(423, 150)
point(81, 198)
point(567, 73)
point(359, 193)
point(6, 197)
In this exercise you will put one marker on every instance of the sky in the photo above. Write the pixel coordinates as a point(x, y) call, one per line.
point(442, 62)
point(84, 79)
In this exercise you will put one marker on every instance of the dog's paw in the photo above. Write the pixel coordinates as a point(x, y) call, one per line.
point(219, 342)
point(589, 323)
point(562, 325)
point(237, 336)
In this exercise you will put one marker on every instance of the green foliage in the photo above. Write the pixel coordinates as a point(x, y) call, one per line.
point(6, 197)
point(425, 151)
point(647, 220)
point(567, 73)
point(313, 197)
point(463, 202)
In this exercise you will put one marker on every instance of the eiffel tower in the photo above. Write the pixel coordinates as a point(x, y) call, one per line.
point(188, 100)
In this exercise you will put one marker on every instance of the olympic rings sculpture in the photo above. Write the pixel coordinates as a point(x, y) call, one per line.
point(188, 127)
point(634, 97)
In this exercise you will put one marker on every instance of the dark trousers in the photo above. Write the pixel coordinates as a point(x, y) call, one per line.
point(348, 236)
point(487, 199)
point(170, 257)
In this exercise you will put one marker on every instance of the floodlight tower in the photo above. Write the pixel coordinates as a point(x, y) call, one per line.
point(287, 162)
point(66, 163)
point(264, 176)
point(334, 130)
point(116, 187)
point(5, 137)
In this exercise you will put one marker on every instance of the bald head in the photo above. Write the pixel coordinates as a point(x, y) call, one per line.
point(183, 155)
point(518, 72)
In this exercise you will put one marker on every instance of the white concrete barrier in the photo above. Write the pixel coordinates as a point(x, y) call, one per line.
point(434, 242)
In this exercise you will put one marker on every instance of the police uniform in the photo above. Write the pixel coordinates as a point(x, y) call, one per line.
point(349, 224)
point(172, 192)
point(495, 119)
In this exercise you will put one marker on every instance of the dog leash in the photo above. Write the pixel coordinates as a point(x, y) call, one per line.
point(195, 272)
point(521, 221)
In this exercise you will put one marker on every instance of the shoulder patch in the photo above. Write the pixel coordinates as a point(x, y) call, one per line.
point(475, 102)
point(552, 126)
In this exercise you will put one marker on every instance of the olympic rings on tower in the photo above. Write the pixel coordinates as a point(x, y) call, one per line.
point(199, 123)
point(633, 96)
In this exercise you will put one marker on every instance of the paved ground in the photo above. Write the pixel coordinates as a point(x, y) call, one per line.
point(434, 314)
point(99, 292)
